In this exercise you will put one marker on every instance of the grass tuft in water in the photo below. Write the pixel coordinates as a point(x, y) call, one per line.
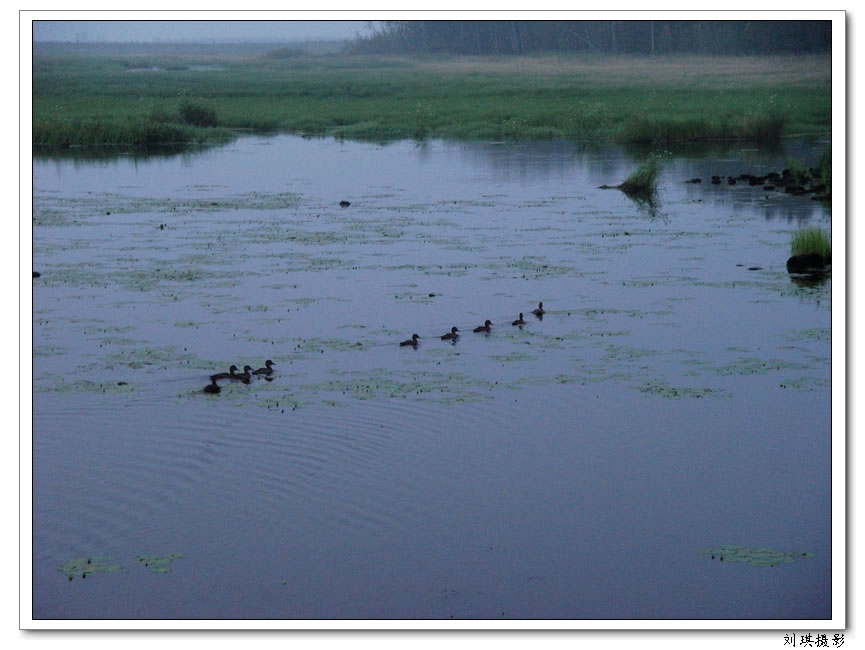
point(810, 241)
point(797, 171)
point(643, 183)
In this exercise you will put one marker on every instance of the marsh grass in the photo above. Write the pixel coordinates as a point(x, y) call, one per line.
point(197, 114)
point(824, 170)
point(683, 99)
point(767, 128)
point(812, 241)
point(798, 173)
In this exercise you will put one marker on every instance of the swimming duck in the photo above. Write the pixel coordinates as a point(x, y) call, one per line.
point(539, 312)
point(451, 336)
point(485, 327)
point(412, 341)
point(212, 387)
point(244, 376)
point(224, 375)
point(265, 371)
point(344, 204)
point(519, 321)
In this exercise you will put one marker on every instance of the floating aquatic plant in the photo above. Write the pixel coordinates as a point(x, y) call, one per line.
point(158, 563)
point(757, 557)
point(663, 389)
point(86, 566)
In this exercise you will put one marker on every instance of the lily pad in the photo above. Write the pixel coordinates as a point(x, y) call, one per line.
point(86, 566)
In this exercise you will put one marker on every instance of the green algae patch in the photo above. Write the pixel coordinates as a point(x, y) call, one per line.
point(82, 386)
point(755, 366)
point(624, 352)
point(83, 567)
point(511, 357)
point(331, 345)
point(163, 356)
point(158, 563)
point(812, 334)
point(757, 557)
point(453, 388)
point(662, 389)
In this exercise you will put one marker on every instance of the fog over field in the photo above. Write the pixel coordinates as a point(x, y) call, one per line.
point(195, 30)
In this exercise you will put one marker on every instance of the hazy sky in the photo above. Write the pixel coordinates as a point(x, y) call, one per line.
point(195, 30)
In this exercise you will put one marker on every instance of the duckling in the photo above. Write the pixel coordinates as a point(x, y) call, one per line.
point(485, 327)
point(412, 341)
point(224, 375)
point(519, 321)
point(244, 376)
point(539, 312)
point(212, 387)
point(451, 336)
point(265, 371)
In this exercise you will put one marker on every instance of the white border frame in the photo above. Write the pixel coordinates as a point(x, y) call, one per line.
point(839, 337)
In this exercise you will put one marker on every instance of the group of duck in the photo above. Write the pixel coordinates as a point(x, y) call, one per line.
point(267, 371)
point(244, 377)
point(486, 328)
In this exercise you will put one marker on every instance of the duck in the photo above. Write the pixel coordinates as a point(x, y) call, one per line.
point(224, 375)
point(540, 310)
point(265, 371)
point(412, 341)
point(344, 204)
point(519, 321)
point(451, 336)
point(485, 327)
point(212, 387)
point(244, 376)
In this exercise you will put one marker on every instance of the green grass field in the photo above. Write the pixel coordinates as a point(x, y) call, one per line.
point(123, 95)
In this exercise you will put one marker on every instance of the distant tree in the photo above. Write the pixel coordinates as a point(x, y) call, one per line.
point(516, 37)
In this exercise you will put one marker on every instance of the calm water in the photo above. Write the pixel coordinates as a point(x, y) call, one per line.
point(671, 400)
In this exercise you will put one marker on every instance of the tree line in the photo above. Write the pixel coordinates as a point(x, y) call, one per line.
point(518, 37)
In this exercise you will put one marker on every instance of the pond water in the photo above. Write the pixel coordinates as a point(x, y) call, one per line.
point(593, 464)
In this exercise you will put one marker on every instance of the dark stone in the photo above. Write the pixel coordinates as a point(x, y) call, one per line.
point(694, 180)
point(344, 204)
point(768, 187)
point(807, 263)
point(731, 181)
